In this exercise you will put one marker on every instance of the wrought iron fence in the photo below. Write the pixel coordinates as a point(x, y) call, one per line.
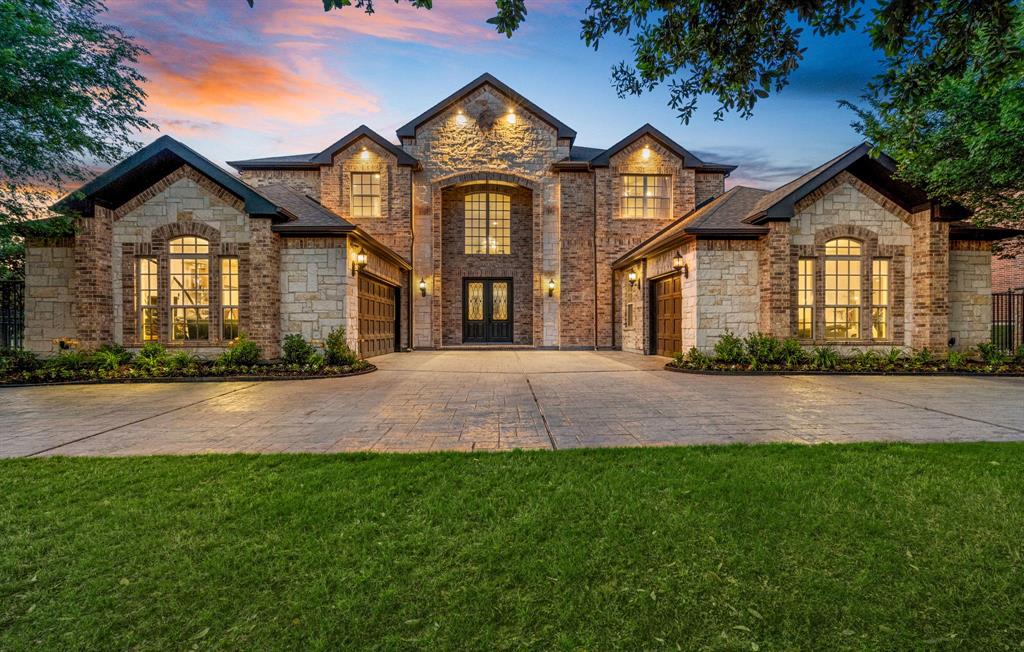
point(1008, 319)
point(12, 314)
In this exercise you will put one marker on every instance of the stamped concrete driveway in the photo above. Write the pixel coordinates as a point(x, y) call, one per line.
point(490, 400)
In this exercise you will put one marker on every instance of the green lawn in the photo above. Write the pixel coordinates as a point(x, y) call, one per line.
point(867, 547)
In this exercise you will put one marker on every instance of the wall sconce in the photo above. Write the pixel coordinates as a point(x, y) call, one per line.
point(460, 118)
point(365, 154)
point(359, 262)
point(423, 287)
point(551, 287)
point(646, 152)
point(631, 277)
point(511, 117)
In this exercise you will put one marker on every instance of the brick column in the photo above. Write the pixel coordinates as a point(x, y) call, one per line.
point(774, 262)
point(265, 288)
point(93, 281)
point(930, 254)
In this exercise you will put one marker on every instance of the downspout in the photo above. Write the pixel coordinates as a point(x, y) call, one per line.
point(594, 172)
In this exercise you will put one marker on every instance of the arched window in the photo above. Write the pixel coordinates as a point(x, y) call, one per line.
point(842, 289)
point(488, 223)
point(189, 266)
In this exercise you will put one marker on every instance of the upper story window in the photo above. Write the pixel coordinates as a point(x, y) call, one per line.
point(842, 289)
point(645, 196)
point(365, 194)
point(189, 264)
point(488, 223)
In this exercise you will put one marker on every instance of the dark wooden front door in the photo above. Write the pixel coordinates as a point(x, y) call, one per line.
point(487, 310)
point(667, 298)
point(376, 317)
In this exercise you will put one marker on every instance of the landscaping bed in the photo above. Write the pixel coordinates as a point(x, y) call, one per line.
point(777, 547)
point(153, 363)
point(764, 354)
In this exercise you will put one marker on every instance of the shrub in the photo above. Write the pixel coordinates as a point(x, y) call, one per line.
point(315, 362)
point(69, 361)
point(992, 354)
point(791, 353)
point(1018, 356)
point(866, 360)
point(182, 361)
point(13, 361)
point(336, 349)
point(825, 358)
point(922, 357)
point(763, 349)
point(729, 349)
point(152, 352)
point(955, 360)
point(297, 350)
point(106, 360)
point(124, 356)
point(893, 356)
point(243, 352)
point(698, 358)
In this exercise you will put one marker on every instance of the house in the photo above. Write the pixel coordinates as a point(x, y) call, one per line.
point(487, 224)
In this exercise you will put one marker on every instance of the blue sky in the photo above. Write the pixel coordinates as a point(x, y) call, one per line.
point(286, 77)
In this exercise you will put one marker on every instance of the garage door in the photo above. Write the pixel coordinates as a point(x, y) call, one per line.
point(376, 317)
point(668, 321)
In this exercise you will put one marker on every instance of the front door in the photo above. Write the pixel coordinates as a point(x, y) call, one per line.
point(487, 310)
point(668, 315)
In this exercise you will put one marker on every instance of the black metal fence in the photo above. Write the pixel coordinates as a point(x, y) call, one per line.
point(1008, 319)
point(12, 314)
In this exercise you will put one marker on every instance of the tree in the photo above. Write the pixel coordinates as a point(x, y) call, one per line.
point(948, 105)
point(70, 98)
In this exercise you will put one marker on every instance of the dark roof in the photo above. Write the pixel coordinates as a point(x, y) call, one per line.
point(150, 164)
point(306, 214)
point(960, 230)
point(720, 217)
point(408, 130)
point(689, 160)
point(780, 204)
point(325, 157)
point(577, 153)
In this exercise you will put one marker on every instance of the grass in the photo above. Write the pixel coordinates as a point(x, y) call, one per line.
point(864, 547)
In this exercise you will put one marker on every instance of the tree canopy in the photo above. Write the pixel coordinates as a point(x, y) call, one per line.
point(70, 98)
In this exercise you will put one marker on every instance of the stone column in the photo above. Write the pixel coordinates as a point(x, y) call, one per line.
point(930, 254)
point(774, 263)
point(265, 288)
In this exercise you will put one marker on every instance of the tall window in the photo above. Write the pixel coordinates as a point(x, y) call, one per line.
point(146, 299)
point(365, 194)
point(488, 223)
point(229, 298)
point(645, 195)
point(880, 299)
point(805, 299)
point(190, 288)
point(842, 289)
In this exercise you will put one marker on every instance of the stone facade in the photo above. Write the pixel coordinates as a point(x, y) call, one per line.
point(49, 302)
point(314, 287)
point(970, 293)
point(727, 290)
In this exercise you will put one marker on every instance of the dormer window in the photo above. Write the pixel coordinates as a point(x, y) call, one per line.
point(365, 200)
point(646, 196)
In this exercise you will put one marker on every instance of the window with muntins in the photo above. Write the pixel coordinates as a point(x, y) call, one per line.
point(880, 297)
point(147, 298)
point(189, 264)
point(365, 194)
point(645, 196)
point(805, 299)
point(488, 223)
point(842, 289)
point(229, 298)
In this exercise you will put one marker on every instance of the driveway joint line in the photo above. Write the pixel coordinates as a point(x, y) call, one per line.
point(913, 405)
point(543, 417)
point(132, 423)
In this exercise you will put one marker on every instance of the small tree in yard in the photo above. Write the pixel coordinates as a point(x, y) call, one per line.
point(70, 100)
point(337, 352)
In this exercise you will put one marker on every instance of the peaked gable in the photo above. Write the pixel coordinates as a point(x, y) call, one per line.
point(327, 155)
point(408, 130)
point(689, 160)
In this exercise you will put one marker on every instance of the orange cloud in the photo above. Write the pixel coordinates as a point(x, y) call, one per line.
point(200, 82)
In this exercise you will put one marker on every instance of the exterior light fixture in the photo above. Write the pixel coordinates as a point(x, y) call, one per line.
point(646, 153)
point(359, 262)
point(511, 117)
point(460, 118)
point(551, 287)
point(631, 277)
point(423, 287)
point(365, 154)
point(677, 261)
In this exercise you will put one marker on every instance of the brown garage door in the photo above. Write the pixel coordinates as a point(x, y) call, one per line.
point(668, 320)
point(376, 317)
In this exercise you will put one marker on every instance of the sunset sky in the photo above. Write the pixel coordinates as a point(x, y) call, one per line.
point(286, 78)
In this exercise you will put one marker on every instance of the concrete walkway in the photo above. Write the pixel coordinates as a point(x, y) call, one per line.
point(497, 400)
